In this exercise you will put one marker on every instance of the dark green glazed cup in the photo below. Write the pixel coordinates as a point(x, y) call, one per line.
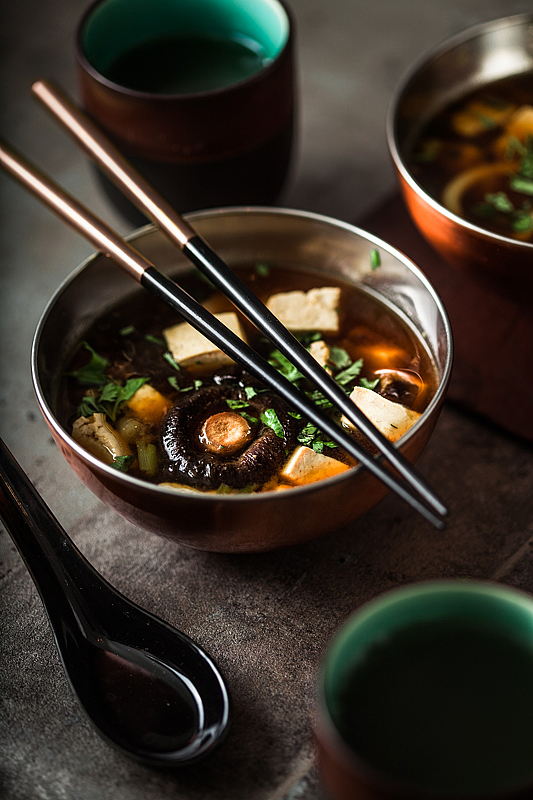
point(229, 145)
point(384, 750)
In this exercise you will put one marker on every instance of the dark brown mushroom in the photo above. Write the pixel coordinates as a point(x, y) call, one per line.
point(399, 385)
point(255, 455)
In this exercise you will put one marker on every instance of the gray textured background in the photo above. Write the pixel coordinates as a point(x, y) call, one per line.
point(265, 619)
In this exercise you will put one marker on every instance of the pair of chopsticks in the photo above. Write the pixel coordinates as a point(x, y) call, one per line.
point(409, 485)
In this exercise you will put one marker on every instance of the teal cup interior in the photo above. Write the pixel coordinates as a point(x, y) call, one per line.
point(113, 27)
point(427, 692)
point(198, 95)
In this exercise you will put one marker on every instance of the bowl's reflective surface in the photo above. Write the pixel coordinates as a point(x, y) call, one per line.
point(241, 523)
point(480, 55)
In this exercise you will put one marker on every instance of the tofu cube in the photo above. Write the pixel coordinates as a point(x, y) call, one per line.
point(190, 348)
point(320, 352)
point(315, 310)
point(392, 419)
point(306, 466)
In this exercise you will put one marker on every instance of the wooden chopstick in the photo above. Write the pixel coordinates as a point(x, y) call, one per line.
point(137, 266)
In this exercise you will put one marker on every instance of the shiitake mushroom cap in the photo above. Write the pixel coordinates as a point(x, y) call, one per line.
point(187, 460)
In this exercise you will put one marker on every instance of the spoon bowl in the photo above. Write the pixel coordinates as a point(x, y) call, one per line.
point(146, 687)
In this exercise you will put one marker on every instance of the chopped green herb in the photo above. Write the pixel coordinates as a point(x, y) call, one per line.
point(170, 358)
point(522, 222)
point(283, 365)
point(522, 184)
point(111, 398)
point(366, 384)
point(428, 152)
point(122, 463)
point(486, 121)
point(500, 201)
point(197, 385)
point(348, 375)
point(375, 259)
point(319, 399)
point(308, 337)
point(270, 418)
point(127, 330)
point(262, 269)
point(514, 148)
point(250, 392)
point(248, 417)
point(224, 489)
point(154, 339)
point(93, 373)
point(174, 383)
point(339, 357)
point(307, 434)
point(311, 437)
point(88, 406)
point(236, 404)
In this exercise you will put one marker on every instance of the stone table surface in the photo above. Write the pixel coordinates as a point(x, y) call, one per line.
point(266, 619)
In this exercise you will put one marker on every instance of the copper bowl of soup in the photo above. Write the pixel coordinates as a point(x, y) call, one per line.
point(460, 131)
point(105, 351)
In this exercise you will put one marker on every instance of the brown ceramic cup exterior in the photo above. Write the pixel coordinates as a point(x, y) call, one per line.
point(254, 522)
point(228, 146)
point(344, 773)
point(497, 49)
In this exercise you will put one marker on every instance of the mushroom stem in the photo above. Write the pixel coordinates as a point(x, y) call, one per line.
point(225, 432)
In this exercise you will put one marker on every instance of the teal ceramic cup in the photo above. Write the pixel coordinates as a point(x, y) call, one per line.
point(197, 94)
point(427, 692)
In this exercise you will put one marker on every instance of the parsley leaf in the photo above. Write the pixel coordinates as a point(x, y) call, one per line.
point(499, 201)
point(283, 365)
point(348, 375)
point(93, 373)
point(262, 269)
point(170, 358)
point(236, 404)
point(122, 463)
point(375, 259)
point(111, 398)
point(339, 357)
point(367, 384)
point(270, 418)
point(154, 339)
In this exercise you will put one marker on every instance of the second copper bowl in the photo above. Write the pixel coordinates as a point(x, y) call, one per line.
point(481, 54)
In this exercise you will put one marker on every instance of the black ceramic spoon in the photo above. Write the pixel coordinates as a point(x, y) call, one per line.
point(146, 687)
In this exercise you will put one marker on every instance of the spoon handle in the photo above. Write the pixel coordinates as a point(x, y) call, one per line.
point(55, 564)
point(138, 679)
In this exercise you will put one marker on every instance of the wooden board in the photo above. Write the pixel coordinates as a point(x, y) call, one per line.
point(493, 334)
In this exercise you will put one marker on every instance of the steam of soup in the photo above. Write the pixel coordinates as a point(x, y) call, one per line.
point(476, 157)
point(150, 396)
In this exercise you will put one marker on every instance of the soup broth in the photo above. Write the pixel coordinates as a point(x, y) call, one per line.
point(476, 157)
point(199, 422)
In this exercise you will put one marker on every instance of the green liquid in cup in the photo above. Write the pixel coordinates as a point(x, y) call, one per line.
point(180, 64)
point(443, 706)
